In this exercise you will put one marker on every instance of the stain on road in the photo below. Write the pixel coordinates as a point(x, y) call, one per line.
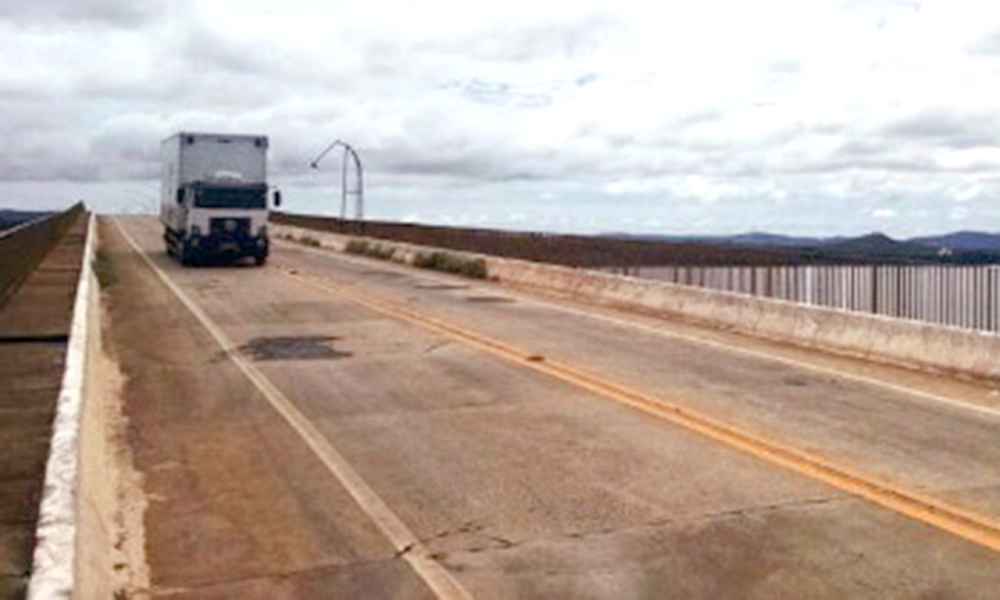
point(489, 299)
point(440, 286)
point(383, 274)
point(307, 347)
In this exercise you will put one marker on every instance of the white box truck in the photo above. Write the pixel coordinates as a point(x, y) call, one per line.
point(214, 196)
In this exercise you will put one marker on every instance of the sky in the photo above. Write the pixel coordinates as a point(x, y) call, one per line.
point(807, 117)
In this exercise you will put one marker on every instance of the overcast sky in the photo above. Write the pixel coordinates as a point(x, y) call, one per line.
point(715, 116)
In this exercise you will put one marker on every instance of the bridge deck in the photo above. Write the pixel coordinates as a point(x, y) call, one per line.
point(335, 420)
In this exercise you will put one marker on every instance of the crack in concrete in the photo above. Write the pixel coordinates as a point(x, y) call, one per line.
point(505, 544)
point(475, 531)
point(437, 346)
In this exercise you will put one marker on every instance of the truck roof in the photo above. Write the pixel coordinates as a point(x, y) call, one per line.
point(197, 134)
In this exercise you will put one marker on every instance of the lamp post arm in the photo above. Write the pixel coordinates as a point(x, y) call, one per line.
point(315, 163)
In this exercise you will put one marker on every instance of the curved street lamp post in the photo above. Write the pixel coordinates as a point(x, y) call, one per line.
point(358, 192)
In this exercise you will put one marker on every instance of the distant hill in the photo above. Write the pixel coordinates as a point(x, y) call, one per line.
point(962, 240)
point(879, 246)
point(959, 240)
point(775, 240)
point(12, 218)
point(963, 247)
point(743, 239)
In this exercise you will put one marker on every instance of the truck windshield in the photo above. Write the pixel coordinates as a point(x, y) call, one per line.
point(230, 199)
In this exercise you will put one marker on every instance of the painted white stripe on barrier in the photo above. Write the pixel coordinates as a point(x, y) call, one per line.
point(52, 573)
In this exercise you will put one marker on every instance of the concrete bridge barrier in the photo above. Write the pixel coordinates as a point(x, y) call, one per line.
point(75, 532)
point(24, 246)
point(902, 342)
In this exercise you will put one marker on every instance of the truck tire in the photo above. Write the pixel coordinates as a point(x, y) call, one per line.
point(167, 242)
point(260, 258)
point(188, 255)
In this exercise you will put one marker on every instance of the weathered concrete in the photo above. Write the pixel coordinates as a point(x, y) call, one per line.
point(76, 532)
point(97, 531)
point(896, 341)
point(239, 507)
point(34, 325)
point(22, 247)
point(521, 485)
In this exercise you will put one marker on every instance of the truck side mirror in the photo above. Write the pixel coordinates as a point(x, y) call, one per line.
point(277, 198)
point(180, 196)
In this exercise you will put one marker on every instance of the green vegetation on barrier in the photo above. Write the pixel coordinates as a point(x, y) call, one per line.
point(474, 268)
point(447, 262)
point(307, 240)
point(368, 249)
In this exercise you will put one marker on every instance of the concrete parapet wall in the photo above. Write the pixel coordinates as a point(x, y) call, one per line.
point(908, 343)
point(75, 533)
point(24, 246)
point(96, 499)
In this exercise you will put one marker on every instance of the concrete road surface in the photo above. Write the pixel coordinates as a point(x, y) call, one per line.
point(512, 483)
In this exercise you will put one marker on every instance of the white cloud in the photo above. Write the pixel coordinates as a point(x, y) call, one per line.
point(591, 109)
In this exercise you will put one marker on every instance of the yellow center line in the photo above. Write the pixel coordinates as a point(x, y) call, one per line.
point(927, 509)
point(661, 330)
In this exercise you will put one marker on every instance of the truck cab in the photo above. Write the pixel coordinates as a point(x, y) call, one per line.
point(214, 197)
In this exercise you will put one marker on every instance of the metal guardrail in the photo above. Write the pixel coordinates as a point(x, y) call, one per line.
point(958, 296)
point(24, 246)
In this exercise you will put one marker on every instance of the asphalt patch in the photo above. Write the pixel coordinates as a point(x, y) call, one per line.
point(305, 347)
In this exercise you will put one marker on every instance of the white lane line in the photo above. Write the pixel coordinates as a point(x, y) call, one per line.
point(760, 354)
point(441, 582)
